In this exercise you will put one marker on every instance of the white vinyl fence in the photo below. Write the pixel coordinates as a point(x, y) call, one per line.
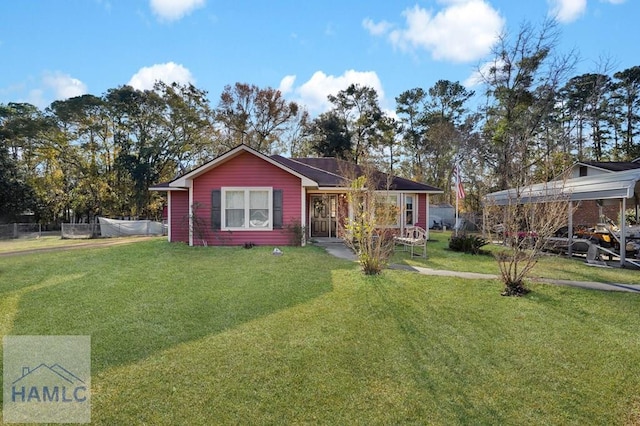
point(107, 228)
point(119, 228)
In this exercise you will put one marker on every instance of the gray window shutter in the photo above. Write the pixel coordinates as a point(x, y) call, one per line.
point(216, 204)
point(277, 208)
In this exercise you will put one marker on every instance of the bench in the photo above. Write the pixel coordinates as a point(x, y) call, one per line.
point(412, 238)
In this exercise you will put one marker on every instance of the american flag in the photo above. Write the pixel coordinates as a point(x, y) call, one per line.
point(459, 188)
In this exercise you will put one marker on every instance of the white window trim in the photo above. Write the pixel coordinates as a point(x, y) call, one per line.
point(246, 190)
point(415, 210)
point(400, 204)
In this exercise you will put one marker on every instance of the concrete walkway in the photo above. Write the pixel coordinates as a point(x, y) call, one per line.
point(337, 248)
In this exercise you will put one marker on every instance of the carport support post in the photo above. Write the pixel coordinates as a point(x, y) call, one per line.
point(623, 231)
point(484, 221)
point(570, 230)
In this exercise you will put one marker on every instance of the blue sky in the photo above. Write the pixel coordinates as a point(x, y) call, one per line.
point(53, 50)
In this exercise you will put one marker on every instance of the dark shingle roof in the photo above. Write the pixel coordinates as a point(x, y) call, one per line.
point(333, 172)
point(317, 174)
point(614, 166)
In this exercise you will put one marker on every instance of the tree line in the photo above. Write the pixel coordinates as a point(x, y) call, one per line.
point(97, 155)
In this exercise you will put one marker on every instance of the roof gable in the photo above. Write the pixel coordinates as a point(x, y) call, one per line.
point(183, 181)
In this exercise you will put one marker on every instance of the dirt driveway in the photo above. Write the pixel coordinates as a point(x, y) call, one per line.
point(106, 242)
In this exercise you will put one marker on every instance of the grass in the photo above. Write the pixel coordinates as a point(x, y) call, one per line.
point(232, 336)
point(549, 266)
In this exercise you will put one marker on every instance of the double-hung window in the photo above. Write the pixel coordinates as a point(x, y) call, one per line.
point(408, 210)
point(247, 208)
point(387, 212)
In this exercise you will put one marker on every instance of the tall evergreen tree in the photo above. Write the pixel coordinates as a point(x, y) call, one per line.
point(522, 83)
point(358, 107)
point(627, 91)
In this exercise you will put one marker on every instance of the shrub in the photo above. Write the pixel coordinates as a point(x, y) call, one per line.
point(471, 244)
point(296, 232)
point(368, 235)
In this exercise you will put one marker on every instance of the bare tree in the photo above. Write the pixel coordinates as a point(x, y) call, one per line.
point(256, 117)
point(525, 218)
point(521, 86)
point(369, 232)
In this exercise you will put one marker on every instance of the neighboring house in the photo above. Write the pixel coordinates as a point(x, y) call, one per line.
point(591, 212)
point(594, 168)
point(244, 196)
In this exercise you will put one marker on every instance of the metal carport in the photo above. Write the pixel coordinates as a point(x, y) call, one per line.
point(622, 186)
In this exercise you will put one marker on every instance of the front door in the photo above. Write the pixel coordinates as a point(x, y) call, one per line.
point(323, 215)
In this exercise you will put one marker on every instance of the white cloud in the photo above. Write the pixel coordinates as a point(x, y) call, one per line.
point(477, 77)
point(169, 72)
point(63, 85)
point(313, 93)
point(36, 97)
point(566, 11)
point(376, 29)
point(172, 10)
point(41, 91)
point(462, 31)
point(474, 80)
point(614, 1)
point(286, 84)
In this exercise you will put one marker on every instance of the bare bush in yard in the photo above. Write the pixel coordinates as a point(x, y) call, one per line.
point(369, 233)
point(524, 228)
point(521, 131)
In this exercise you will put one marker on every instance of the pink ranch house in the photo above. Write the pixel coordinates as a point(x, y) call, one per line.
point(246, 197)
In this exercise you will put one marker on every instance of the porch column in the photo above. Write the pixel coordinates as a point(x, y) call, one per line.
point(428, 219)
point(403, 214)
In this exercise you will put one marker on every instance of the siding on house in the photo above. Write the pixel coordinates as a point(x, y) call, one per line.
point(179, 216)
point(245, 170)
point(421, 210)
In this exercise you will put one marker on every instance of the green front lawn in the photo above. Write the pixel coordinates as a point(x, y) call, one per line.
point(551, 266)
point(232, 336)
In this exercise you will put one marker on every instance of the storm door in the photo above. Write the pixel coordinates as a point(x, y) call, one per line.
point(323, 215)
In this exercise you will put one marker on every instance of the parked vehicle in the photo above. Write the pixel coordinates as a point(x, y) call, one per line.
point(600, 234)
